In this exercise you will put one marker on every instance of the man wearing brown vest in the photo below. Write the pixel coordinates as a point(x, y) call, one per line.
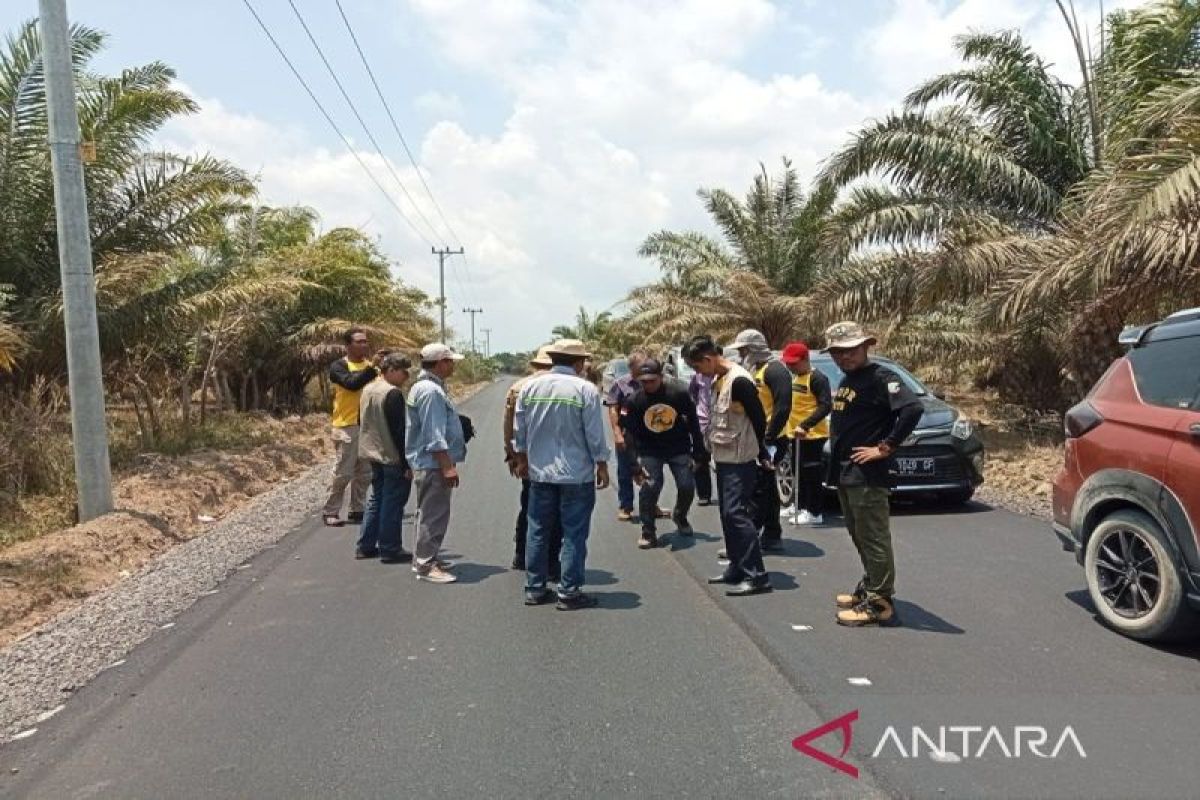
point(381, 443)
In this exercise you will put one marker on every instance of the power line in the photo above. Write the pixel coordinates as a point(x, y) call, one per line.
point(334, 125)
point(404, 142)
point(354, 109)
point(395, 126)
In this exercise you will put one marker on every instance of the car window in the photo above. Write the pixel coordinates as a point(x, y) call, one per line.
point(619, 367)
point(1168, 371)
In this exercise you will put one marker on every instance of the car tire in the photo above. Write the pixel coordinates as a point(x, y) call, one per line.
point(1125, 538)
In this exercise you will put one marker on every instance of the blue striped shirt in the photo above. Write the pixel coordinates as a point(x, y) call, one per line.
point(433, 424)
point(559, 425)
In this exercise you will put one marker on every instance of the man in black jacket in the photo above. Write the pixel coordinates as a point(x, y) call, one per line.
point(663, 431)
point(774, 383)
point(874, 411)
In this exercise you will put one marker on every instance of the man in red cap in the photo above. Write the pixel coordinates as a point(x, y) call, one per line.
point(808, 430)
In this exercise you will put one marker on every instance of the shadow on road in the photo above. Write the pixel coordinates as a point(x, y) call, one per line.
point(782, 582)
point(476, 573)
point(599, 577)
point(676, 541)
point(1186, 649)
point(617, 601)
point(916, 618)
point(934, 508)
point(797, 548)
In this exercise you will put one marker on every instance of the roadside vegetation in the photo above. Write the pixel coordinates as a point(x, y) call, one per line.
point(998, 229)
point(216, 312)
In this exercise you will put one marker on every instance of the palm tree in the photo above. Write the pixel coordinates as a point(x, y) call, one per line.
point(994, 201)
point(139, 201)
point(12, 343)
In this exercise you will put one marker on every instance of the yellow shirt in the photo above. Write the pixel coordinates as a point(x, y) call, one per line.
point(804, 403)
point(345, 402)
point(764, 392)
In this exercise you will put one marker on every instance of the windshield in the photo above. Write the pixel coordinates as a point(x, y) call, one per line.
point(835, 375)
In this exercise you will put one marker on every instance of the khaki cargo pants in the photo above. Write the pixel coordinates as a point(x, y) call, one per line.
point(867, 515)
point(348, 470)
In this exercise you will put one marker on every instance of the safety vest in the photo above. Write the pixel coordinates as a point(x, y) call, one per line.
point(764, 392)
point(804, 403)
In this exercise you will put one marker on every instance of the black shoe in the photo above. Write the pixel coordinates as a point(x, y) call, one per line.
point(555, 576)
point(354, 517)
point(538, 598)
point(772, 545)
point(705, 501)
point(745, 589)
point(518, 562)
point(402, 557)
point(576, 602)
point(682, 526)
point(722, 578)
point(365, 554)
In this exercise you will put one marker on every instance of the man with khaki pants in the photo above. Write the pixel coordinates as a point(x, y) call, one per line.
point(349, 375)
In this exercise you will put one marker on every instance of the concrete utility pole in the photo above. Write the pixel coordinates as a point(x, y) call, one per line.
point(441, 254)
point(473, 312)
point(487, 342)
point(89, 431)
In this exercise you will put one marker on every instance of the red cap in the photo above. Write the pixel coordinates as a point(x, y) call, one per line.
point(795, 352)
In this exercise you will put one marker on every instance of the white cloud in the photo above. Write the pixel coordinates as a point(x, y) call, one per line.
point(439, 105)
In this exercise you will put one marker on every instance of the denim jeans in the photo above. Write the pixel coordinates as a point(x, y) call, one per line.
point(685, 488)
point(384, 514)
point(569, 505)
point(736, 484)
point(625, 465)
point(521, 534)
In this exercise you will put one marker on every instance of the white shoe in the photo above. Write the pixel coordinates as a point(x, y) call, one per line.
point(787, 511)
point(801, 518)
point(816, 519)
point(435, 575)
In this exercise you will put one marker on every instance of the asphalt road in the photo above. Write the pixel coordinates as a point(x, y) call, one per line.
point(313, 675)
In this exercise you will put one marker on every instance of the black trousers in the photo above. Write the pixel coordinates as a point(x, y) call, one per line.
point(736, 483)
point(766, 505)
point(704, 486)
point(809, 493)
point(519, 537)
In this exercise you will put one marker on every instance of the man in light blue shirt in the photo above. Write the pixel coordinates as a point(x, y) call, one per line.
point(560, 443)
point(434, 447)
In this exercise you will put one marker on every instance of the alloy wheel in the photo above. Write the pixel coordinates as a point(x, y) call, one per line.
point(1127, 573)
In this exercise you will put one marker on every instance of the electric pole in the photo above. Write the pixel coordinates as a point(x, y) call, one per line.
point(441, 254)
point(89, 431)
point(487, 342)
point(473, 312)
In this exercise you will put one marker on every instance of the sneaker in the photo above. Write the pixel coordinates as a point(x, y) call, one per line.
point(704, 502)
point(624, 515)
point(575, 602)
point(802, 517)
point(538, 598)
point(787, 511)
point(434, 574)
point(648, 540)
point(816, 519)
point(852, 599)
point(332, 521)
point(878, 612)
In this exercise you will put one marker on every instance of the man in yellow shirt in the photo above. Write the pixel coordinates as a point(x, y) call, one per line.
point(808, 428)
point(348, 375)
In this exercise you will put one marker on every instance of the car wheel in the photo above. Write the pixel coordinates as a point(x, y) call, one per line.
point(1133, 579)
point(785, 482)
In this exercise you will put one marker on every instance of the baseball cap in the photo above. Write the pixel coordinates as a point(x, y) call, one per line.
point(431, 353)
point(650, 366)
point(794, 353)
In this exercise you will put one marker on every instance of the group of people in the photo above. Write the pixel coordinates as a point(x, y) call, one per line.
point(738, 418)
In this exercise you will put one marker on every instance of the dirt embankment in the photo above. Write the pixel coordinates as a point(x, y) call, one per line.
point(161, 502)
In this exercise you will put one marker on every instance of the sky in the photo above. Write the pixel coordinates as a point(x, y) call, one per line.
point(554, 135)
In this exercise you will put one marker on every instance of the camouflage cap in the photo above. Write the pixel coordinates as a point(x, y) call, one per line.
point(846, 336)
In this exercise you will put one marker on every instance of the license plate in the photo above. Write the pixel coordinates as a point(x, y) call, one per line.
point(916, 467)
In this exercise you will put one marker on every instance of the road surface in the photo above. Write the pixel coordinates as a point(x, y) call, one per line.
point(314, 675)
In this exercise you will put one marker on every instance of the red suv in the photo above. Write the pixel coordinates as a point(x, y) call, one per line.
point(1127, 500)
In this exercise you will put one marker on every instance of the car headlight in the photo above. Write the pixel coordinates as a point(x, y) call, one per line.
point(962, 428)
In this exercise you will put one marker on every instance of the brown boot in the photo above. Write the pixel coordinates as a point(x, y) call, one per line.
point(879, 612)
point(853, 598)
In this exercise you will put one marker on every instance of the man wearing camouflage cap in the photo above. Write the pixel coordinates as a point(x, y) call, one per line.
point(874, 411)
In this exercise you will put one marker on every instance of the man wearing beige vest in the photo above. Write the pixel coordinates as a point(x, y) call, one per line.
point(736, 436)
point(381, 442)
